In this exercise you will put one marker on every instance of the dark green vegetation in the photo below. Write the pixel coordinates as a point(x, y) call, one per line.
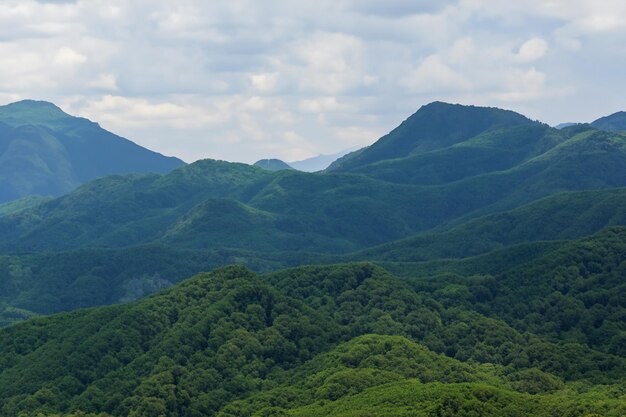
point(615, 122)
point(44, 151)
point(272, 164)
point(509, 236)
point(451, 196)
point(217, 204)
point(338, 340)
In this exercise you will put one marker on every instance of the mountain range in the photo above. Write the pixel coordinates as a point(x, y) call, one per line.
point(46, 152)
point(470, 262)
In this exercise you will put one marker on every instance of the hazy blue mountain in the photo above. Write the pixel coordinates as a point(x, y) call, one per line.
point(272, 164)
point(319, 162)
point(615, 122)
point(564, 125)
point(44, 151)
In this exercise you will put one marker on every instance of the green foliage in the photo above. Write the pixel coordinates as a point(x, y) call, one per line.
point(304, 341)
point(272, 164)
point(563, 216)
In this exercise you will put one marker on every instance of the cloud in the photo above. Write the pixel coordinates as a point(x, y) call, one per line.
point(236, 80)
point(532, 50)
point(264, 82)
point(104, 82)
point(68, 58)
point(322, 105)
point(434, 75)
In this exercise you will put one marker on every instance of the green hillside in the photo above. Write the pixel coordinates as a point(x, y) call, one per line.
point(615, 122)
point(307, 341)
point(122, 237)
point(272, 164)
point(44, 151)
point(288, 210)
point(434, 126)
point(560, 217)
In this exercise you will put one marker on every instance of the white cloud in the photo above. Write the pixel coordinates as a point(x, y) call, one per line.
point(322, 105)
point(265, 82)
point(523, 85)
point(104, 82)
point(232, 79)
point(532, 50)
point(434, 75)
point(121, 112)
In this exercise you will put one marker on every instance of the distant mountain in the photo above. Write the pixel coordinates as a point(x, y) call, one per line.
point(319, 162)
point(564, 125)
point(44, 151)
point(434, 126)
point(213, 204)
point(615, 122)
point(272, 164)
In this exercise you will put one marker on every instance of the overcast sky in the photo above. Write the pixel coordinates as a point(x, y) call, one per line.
point(247, 79)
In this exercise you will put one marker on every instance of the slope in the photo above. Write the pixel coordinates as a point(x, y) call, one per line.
point(290, 210)
point(615, 122)
point(272, 164)
point(560, 217)
point(306, 339)
point(434, 126)
point(45, 151)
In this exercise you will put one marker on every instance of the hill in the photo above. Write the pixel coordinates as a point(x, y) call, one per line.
point(317, 163)
point(434, 126)
point(615, 122)
point(560, 217)
point(121, 237)
point(44, 151)
point(307, 341)
point(272, 164)
point(212, 204)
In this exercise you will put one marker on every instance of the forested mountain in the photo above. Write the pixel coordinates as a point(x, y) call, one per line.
point(434, 126)
point(615, 122)
point(44, 151)
point(272, 164)
point(560, 217)
point(212, 204)
point(309, 341)
point(126, 236)
point(505, 305)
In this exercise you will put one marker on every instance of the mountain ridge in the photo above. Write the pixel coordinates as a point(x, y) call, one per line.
point(45, 151)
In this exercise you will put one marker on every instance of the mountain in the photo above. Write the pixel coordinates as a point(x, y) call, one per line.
point(315, 341)
point(434, 126)
point(121, 237)
point(44, 283)
point(319, 162)
point(615, 122)
point(213, 204)
point(563, 216)
point(44, 151)
point(564, 125)
point(272, 164)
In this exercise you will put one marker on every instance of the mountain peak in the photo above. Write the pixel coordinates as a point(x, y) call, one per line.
point(615, 122)
point(272, 164)
point(31, 112)
point(435, 125)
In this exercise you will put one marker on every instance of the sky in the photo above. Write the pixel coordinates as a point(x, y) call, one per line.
point(242, 80)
